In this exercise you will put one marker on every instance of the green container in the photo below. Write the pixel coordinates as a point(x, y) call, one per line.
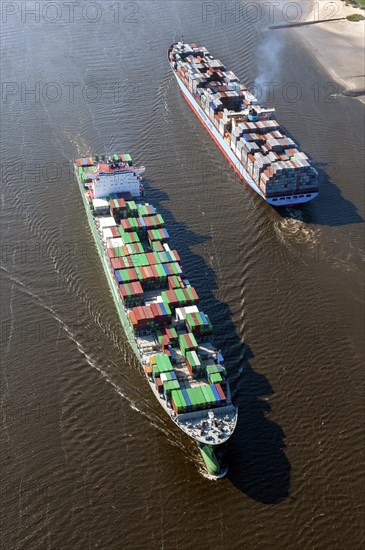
point(127, 158)
point(196, 397)
point(184, 405)
point(180, 296)
point(160, 219)
point(179, 400)
point(200, 398)
point(173, 335)
point(139, 260)
point(169, 386)
point(192, 361)
point(208, 395)
point(119, 252)
point(215, 378)
point(190, 294)
point(162, 275)
point(155, 246)
point(211, 393)
point(176, 268)
point(132, 209)
point(212, 369)
point(142, 210)
point(163, 363)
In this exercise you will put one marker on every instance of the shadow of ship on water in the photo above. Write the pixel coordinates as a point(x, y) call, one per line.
point(257, 464)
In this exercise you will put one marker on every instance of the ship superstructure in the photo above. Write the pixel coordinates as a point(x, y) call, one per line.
point(246, 132)
point(158, 307)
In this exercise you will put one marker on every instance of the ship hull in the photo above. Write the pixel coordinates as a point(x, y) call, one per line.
point(233, 159)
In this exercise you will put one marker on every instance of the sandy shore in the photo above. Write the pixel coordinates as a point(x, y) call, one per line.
point(338, 45)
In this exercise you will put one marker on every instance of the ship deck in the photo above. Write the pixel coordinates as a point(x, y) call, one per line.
point(207, 426)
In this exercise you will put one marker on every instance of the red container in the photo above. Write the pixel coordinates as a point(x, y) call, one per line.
point(132, 274)
point(125, 225)
point(218, 387)
point(148, 313)
point(117, 263)
point(165, 341)
point(133, 318)
point(155, 310)
point(189, 367)
point(115, 232)
point(137, 288)
point(139, 313)
point(159, 385)
point(189, 342)
point(151, 258)
point(178, 284)
point(149, 273)
point(155, 274)
point(110, 253)
point(172, 297)
point(194, 293)
point(168, 333)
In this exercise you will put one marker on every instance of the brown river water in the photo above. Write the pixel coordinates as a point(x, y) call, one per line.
point(89, 458)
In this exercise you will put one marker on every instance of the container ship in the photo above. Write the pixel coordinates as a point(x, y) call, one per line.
point(247, 133)
point(157, 306)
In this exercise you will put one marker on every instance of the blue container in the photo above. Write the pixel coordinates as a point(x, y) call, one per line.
point(205, 320)
point(118, 276)
point(143, 223)
point(220, 358)
point(216, 394)
point(172, 358)
point(187, 399)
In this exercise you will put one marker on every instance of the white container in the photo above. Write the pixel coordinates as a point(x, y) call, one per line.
point(107, 234)
point(115, 242)
point(107, 222)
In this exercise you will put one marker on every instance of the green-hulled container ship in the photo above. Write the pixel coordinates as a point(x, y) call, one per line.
point(157, 306)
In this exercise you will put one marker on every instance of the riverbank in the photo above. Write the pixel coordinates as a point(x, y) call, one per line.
point(338, 44)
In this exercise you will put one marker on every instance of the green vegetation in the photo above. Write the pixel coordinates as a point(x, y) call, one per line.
point(355, 3)
point(355, 17)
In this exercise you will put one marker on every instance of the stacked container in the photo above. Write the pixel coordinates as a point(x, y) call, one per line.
point(187, 343)
point(193, 363)
point(132, 293)
point(255, 137)
point(199, 324)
